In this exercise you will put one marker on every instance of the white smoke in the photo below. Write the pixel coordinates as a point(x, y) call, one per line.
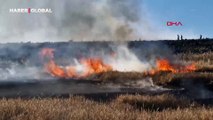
point(71, 19)
point(19, 72)
point(123, 60)
point(126, 60)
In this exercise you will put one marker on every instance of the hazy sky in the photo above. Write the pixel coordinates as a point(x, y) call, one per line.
point(105, 20)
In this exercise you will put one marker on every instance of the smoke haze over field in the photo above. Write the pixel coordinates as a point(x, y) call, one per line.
point(76, 20)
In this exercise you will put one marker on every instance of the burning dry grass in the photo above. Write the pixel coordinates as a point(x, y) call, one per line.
point(124, 107)
point(203, 61)
point(166, 79)
point(116, 76)
point(202, 75)
point(88, 66)
point(91, 66)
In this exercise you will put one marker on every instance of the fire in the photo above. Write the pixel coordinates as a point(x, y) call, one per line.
point(55, 70)
point(166, 66)
point(90, 66)
point(95, 66)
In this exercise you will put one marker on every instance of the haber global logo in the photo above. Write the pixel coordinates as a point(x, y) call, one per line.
point(30, 10)
point(170, 23)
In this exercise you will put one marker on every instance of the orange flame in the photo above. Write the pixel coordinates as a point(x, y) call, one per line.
point(96, 65)
point(91, 66)
point(166, 66)
point(55, 70)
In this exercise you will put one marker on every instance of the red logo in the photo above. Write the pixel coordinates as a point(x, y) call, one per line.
point(29, 10)
point(169, 23)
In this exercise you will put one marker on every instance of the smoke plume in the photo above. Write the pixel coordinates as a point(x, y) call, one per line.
point(72, 19)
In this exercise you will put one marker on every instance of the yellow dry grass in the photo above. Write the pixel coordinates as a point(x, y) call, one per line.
point(124, 107)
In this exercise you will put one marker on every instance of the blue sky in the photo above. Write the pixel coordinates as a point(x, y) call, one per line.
point(195, 15)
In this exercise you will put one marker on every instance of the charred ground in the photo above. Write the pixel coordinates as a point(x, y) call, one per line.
point(196, 51)
point(191, 98)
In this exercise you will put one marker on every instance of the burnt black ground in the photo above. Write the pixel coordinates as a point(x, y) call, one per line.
point(94, 90)
point(29, 52)
point(65, 88)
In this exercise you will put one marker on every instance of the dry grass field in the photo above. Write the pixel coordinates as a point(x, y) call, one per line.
point(131, 107)
point(202, 75)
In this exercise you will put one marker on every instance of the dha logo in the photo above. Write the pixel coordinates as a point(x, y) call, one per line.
point(169, 23)
point(30, 10)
